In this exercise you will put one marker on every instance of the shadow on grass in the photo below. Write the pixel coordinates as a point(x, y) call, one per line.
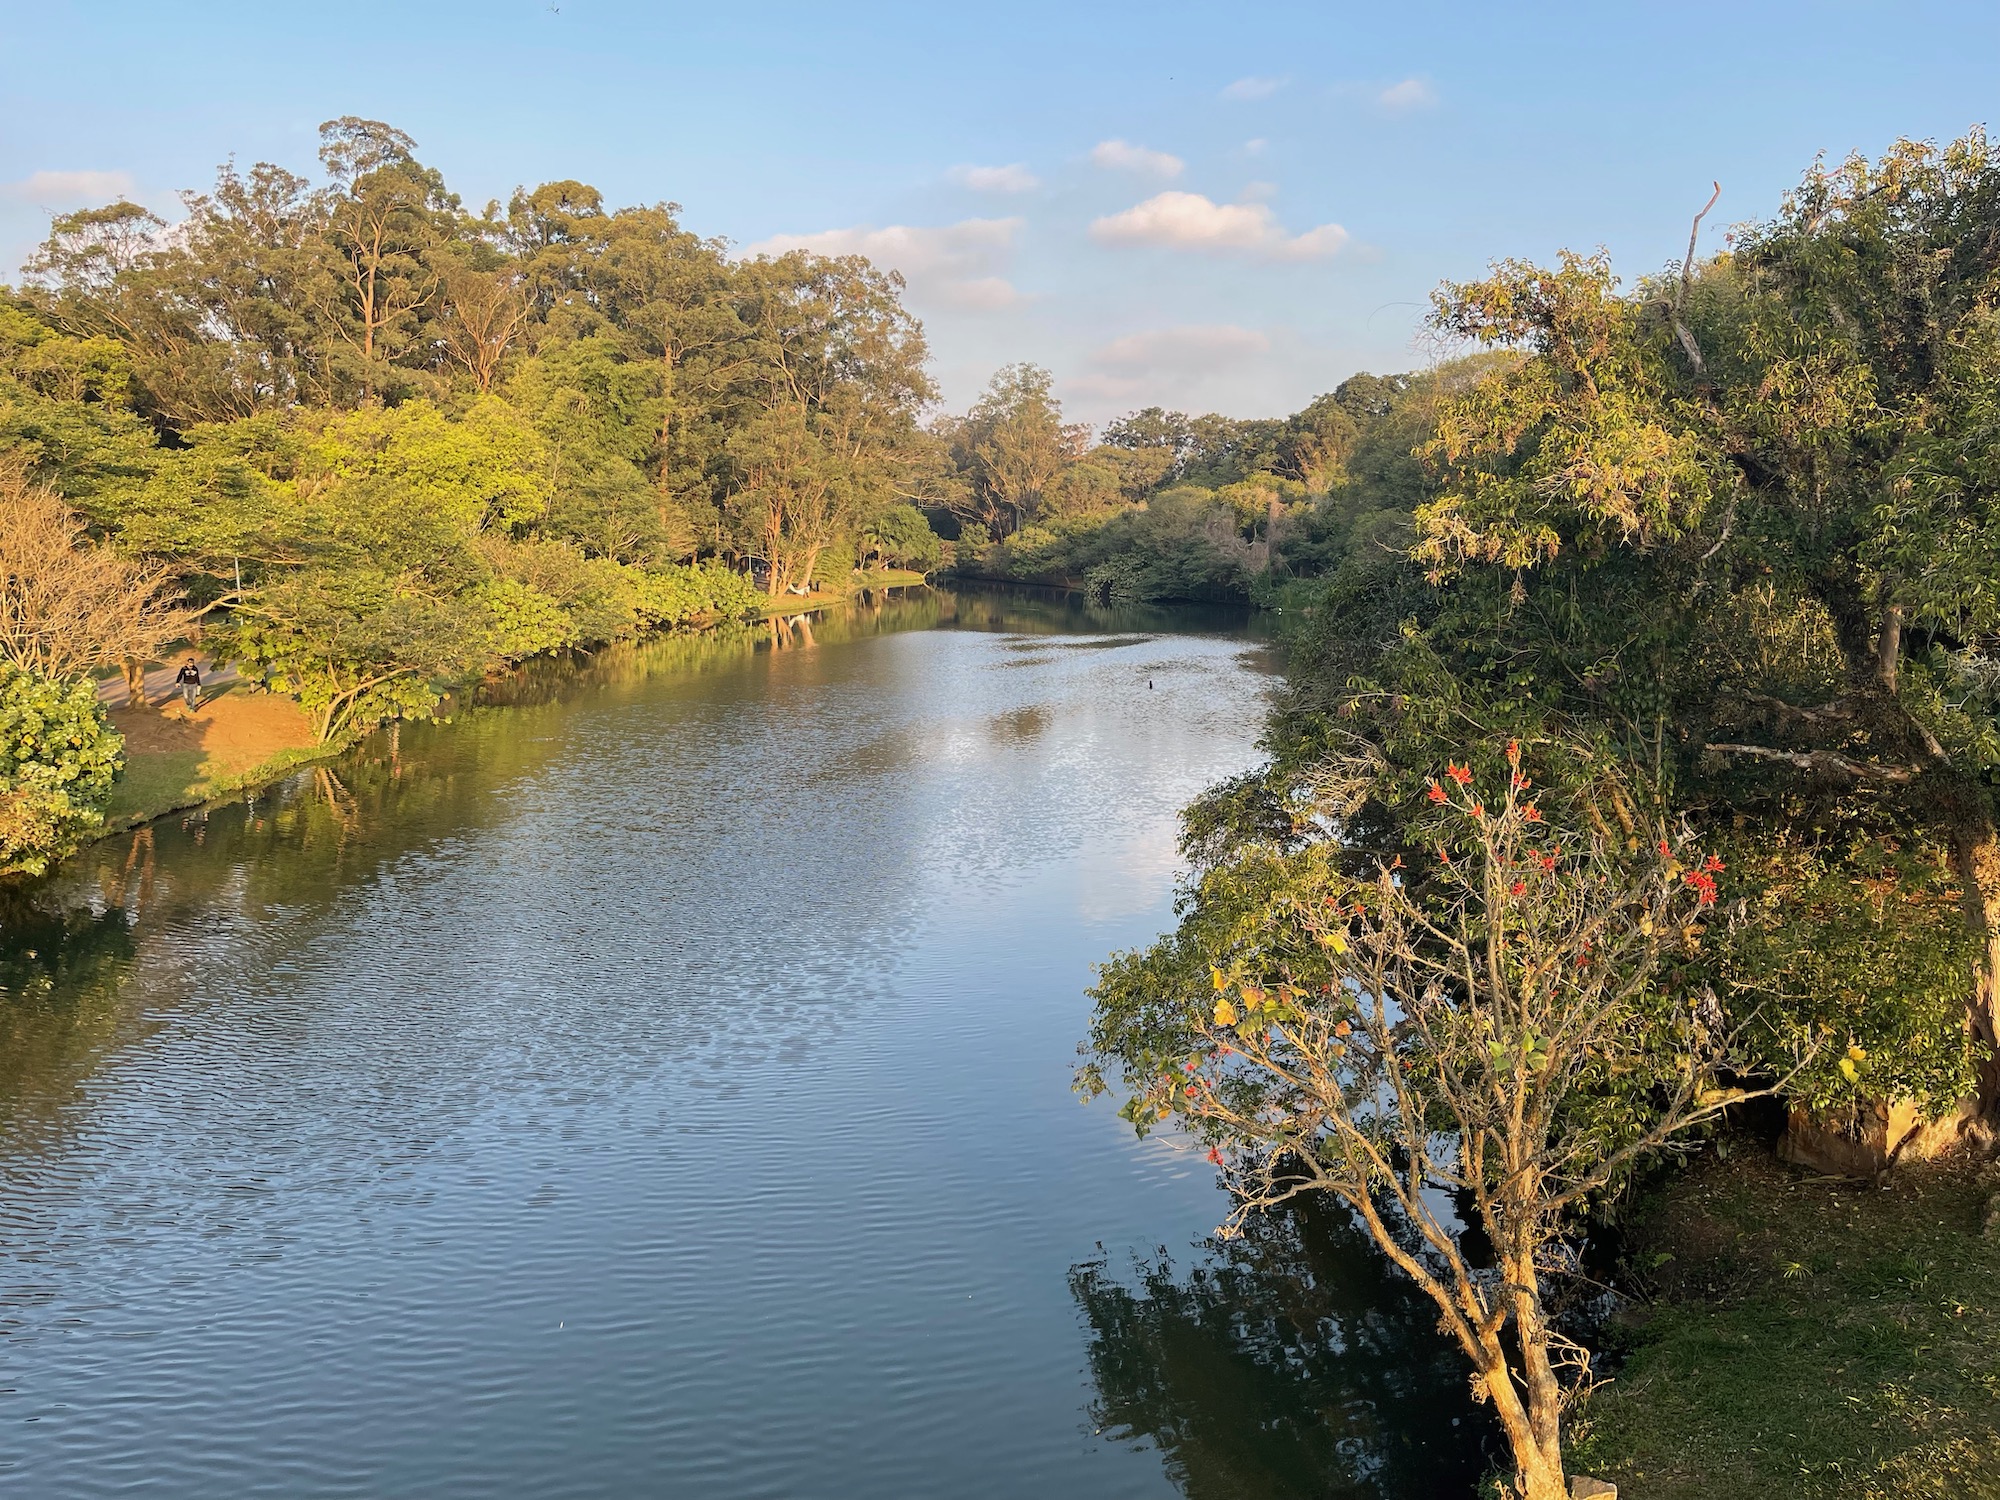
point(1808, 1339)
point(156, 783)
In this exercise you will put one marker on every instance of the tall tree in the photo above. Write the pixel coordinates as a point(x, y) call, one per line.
point(1012, 445)
point(385, 217)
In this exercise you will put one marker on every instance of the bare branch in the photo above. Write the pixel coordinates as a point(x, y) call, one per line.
point(1825, 761)
point(1681, 330)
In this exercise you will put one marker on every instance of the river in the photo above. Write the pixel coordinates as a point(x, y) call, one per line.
point(659, 1084)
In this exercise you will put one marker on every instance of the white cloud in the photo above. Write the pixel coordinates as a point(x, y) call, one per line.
point(1411, 93)
point(1254, 88)
point(1174, 366)
point(52, 189)
point(1013, 178)
point(1123, 156)
point(957, 264)
point(1256, 147)
point(1190, 349)
point(981, 294)
point(1188, 221)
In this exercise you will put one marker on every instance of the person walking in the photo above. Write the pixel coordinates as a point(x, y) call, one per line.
point(188, 679)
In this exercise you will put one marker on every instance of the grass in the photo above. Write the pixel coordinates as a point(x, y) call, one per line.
point(884, 578)
point(240, 739)
point(1806, 1338)
point(155, 785)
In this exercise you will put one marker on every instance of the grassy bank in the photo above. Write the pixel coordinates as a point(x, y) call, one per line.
point(820, 598)
point(174, 760)
point(1807, 1338)
point(241, 738)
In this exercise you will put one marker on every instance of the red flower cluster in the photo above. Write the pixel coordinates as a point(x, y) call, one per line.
point(1436, 792)
point(1665, 849)
point(1459, 774)
point(1548, 861)
point(1704, 884)
point(1520, 887)
point(1215, 1155)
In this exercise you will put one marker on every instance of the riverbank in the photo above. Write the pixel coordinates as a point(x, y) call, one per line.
point(798, 604)
point(237, 740)
point(242, 739)
point(1806, 1337)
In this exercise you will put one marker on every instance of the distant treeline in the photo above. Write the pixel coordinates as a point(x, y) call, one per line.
point(1169, 506)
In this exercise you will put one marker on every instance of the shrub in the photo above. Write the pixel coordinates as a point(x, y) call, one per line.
point(58, 758)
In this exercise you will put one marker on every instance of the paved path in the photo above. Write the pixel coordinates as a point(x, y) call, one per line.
point(160, 682)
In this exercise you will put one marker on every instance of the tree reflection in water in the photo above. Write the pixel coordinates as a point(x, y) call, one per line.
point(1292, 1362)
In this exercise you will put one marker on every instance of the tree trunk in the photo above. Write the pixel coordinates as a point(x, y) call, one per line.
point(811, 561)
point(135, 683)
point(1976, 853)
point(1538, 1470)
point(664, 440)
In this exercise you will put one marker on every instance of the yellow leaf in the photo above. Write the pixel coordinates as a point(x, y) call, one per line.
point(1847, 1070)
point(1335, 941)
point(1225, 1013)
point(1215, 974)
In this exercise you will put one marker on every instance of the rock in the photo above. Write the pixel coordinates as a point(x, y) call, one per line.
point(1583, 1487)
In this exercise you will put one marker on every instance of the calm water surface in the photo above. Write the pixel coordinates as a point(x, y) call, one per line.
point(659, 1085)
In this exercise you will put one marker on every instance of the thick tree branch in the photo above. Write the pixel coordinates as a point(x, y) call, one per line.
point(1825, 761)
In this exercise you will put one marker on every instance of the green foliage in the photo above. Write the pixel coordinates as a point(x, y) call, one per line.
point(358, 646)
point(700, 594)
point(522, 621)
point(390, 444)
point(1864, 947)
point(1170, 506)
point(1734, 528)
point(487, 467)
point(58, 758)
point(65, 407)
point(901, 537)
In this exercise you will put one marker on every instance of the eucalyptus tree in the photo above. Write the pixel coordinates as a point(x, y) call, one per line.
point(1011, 447)
point(386, 219)
point(829, 390)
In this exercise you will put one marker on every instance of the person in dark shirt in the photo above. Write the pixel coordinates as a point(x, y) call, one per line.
point(189, 681)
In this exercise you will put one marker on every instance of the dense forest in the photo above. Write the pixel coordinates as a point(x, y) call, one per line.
point(1638, 763)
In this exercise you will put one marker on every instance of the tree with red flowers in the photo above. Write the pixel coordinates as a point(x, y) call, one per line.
point(1509, 1018)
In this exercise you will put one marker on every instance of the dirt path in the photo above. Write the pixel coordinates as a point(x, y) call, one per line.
point(160, 682)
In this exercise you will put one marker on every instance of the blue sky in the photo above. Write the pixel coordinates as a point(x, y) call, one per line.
point(1206, 206)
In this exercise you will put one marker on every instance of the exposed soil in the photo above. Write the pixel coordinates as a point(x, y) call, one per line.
point(233, 731)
